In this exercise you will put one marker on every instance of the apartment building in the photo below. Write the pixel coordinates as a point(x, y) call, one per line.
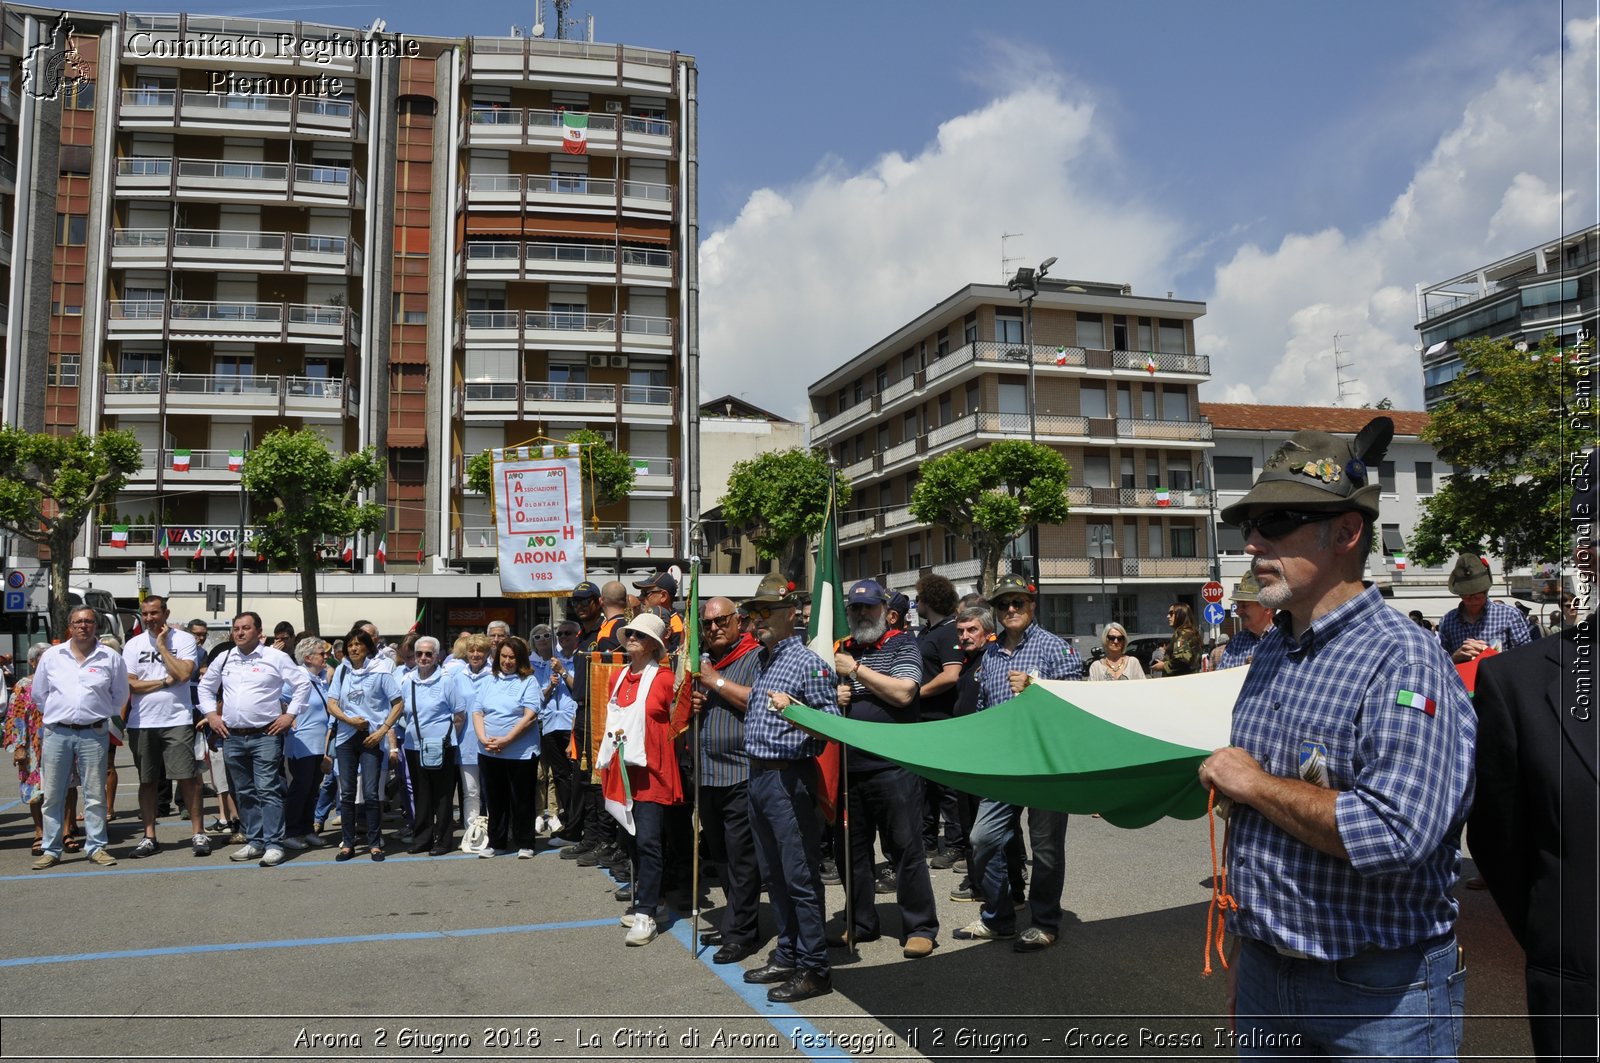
point(1115, 381)
point(429, 246)
point(1545, 290)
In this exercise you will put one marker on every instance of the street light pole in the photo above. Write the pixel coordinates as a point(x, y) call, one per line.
point(238, 555)
point(1026, 285)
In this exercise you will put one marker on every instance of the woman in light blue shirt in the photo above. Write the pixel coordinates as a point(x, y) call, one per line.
point(557, 676)
point(366, 702)
point(507, 722)
point(433, 710)
point(471, 677)
point(304, 748)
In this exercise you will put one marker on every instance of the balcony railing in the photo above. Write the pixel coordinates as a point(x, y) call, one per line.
point(647, 190)
point(208, 384)
point(1164, 363)
point(223, 384)
point(648, 465)
point(571, 185)
point(199, 460)
point(647, 325)
point(550, 391)
point(570, 321)
point(642, 395)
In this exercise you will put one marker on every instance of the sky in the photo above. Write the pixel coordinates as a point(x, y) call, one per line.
point(1300, 168)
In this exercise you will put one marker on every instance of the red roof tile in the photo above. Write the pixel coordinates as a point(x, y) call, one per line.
point(1339, 419)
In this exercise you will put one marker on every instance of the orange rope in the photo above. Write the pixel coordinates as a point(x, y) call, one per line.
point(1221, 900)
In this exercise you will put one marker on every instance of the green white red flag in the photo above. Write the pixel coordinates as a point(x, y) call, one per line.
point(575, 133)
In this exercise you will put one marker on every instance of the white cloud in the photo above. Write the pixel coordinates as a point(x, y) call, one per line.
point(1492, 186)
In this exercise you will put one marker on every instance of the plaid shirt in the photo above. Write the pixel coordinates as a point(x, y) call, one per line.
point(1239, 649)
point(1365, 703)
point(1498, 623)
point(1039, 652)
point(805, 677)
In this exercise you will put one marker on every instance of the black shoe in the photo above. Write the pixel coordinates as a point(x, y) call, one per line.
point(712, 937)
point(942, 861)
point(964, 892)
point(801, 987)
point(588, 859)
point(732, 952)
point(572, 852)
point(887, 881)
point(440, 852)
point(625, 894)
point(418, 850)
point(830, 873)
point(769, 974)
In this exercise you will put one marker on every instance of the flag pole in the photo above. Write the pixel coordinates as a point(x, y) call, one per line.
point(846, 865)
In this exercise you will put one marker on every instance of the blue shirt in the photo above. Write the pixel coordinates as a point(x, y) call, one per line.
point(369, 693)
point(1366, 703)
point(501, 702)
point(560, 708)
point(309, 738)
point(1239, 649)
point(793, 669)
point(1498, 623)
point(1039, 653)
point(430, 705)
point(470, 686)
point(898, 655)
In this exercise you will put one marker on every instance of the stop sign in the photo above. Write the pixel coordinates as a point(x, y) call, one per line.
point(1212, 592)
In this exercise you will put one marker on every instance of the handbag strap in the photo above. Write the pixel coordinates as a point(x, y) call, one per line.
point(416, 722)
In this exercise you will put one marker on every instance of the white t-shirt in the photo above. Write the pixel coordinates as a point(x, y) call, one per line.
point(168, 706)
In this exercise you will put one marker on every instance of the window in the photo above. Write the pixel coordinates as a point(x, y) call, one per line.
point(914, 552)
point(1007, 326)
point(1091, 331)
point(942, 345)
point(908, 364)
point(569, 372)
point(1155, 539)
point(1055, 613)
point(1128, 481)
point(1130, 539)
point(974, 393)
point(1233, 473)
point(1392, 542)
point(909, 426)
point(886, 558)
point(1230, 540)
point(880, 379)
point(1182, 542)
point(1145, 340)
point(1125, 402)
point(78, 95)
point(883, 438)
point(141, 362)
point(969, 329)
point(949, 546)
point(1147, 404)
point(1152, 472)
point(944, 409)
point(1125, 610)
point(408, 465)
point(844, 400)
point(72, 230)
point(1096, 470)
point(406, 312)
point(1119, 333)
point(1424, 477)
point(1172, 340)
point(858, 392)
point(64, 370)
point(1179, 477)
point(1175, 404)
point(1386, 477)
point(885, 497)
point(1092, 401)
point(61, 309)
point(1014, 397)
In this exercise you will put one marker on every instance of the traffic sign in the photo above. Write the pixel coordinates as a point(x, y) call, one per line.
point(1214, 614)
point(16, 580)
point(1212, 591)
point(16, 601)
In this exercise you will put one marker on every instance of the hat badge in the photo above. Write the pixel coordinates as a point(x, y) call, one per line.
point(1324, 469)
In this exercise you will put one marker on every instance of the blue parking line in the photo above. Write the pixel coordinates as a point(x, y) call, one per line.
point(295, 943)
point(218, 861)
point(783, 1018)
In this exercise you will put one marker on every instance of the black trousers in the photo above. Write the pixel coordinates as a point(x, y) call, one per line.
point(433, 794)
point(510, 796)
point(553, 752)
point(889, 800)
point(939, 803)
point(725, 820)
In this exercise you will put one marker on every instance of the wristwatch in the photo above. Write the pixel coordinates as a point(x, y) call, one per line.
point(721, 682)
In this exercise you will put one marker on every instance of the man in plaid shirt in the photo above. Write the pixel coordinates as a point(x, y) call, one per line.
point(1478, 624)
point(1351, 773)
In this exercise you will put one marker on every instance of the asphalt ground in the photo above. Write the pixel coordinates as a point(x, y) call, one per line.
point(175, 957)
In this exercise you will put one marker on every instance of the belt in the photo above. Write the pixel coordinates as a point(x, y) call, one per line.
point(1426, 945)
point(247, 731)
point(98, 725)
point(777, 765)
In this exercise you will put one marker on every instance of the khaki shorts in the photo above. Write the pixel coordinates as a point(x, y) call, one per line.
point(154, 747)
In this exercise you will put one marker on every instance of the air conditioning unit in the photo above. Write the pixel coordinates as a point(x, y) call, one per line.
point(613, 107)
point(619, 361)
point(597, 361)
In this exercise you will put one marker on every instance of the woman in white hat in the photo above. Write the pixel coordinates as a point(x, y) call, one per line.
point(639, 768)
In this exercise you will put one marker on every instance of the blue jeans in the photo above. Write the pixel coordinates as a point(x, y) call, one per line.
point(327, 795)
point(649, 824)
point(90, 751)
point(783, 818)
point(1382, 1003)
point(255, 770)
point(996, 825)
point(358, 763)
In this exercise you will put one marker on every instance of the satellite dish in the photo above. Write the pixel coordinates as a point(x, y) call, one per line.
point(538, 29)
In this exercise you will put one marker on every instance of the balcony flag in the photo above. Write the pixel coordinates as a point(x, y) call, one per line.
point(349, 553)
point(647, 543)
point(575, 133)
point(166, 546)
point(383, 550)
point(1163, 497)
point(119, 536)
point(200, 547)
point(1150, 364)
point(235, 460)
point(1399, 562)
point(180, 460)
point(1061, 356)
point(538, 519)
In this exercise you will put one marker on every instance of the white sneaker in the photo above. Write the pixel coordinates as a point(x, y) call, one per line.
point(246, 852)
point(294, 841)
point(541, 825)
point(643, 930)
point(553, 823)
point(626, 919)
point(272, 857)
point(524, 854)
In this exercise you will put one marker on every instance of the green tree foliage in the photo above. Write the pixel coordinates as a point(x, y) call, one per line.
point(991, 495)
point(780, 500)
point(609, 471)
point(1511, 421)
point(302, 495)
point(50, 486)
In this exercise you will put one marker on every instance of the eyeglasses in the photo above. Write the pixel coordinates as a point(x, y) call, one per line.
point(760, 612)
point(567, 634)
point(719, 621)
point(1116, 638)
point(1010, 604)
point(541, 638)
point(426, 653)
point(1274, 526)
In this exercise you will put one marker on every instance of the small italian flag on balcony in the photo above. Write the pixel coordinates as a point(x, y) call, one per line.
point(1150, 364)
point(180, 460)
point(1399, 562)
point(166, 546)
point(119, 536)
point(235, 460)
point(646, 544)
point(1061, 356)
point(1163, 497)
point(575, 133)
point(383, 551)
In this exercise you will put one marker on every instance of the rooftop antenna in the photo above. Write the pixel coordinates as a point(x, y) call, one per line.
point(1339, 368)
point(1006, 261)
point(538, 22)
point(566, 28)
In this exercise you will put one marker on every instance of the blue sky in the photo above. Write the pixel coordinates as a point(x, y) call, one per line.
point(1300, 167)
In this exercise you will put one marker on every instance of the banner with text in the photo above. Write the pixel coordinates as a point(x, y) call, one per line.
point(538, 514)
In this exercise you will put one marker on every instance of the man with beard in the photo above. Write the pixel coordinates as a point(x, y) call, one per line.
point(880, 672)
point(1350, 776)
point(721, 697)
point(783, 795)
point(1257, 620)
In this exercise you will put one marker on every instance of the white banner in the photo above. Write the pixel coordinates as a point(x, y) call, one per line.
point(538, 515)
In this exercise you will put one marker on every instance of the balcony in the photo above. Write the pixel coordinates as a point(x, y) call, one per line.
point(569, 329)
point(493, 328)
point(642, 403)
point(652, 475)
point(509, 60)
point(494, 191)
point(231, 249)
point(642, 332)
point(247, 114)
point(1157, 364)
point(234, 321)
point(571, 193)
point(206, 467)
point(585, 401)
point(319, 398)
point(1197, 568)
point(219, 180)
point(479, 541)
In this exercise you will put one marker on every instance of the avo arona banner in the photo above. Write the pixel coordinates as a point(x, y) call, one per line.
point(538, 513)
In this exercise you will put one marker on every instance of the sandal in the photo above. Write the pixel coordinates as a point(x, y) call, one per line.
point(377, 854)
point(345, 853)
point(38, 847)
point(73, 844)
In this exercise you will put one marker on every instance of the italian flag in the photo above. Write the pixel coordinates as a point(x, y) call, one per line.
point(646, 544)
point(235, 460)
point(1163, 497)
point(180, 460)
point(383, 551)
point(1411, 699)
point(233, 553)
point(166, 546)
point(1150, 364)
point(119, 536)
point(688, 659)
point(1399, 562)
point(1061, 356)
point(349, 551)
point(575, 133)
point(828, 626)
point(199, 547)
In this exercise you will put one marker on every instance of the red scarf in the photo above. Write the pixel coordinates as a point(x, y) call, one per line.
point(746, 644)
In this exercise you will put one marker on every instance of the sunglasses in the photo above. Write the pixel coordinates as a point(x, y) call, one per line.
point(761, 612)
point(1018, 604)
point(425, 653)
point(1275, 525)
point(1116, 638)
point(719, 621)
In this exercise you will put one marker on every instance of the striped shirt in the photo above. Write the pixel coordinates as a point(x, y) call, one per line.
point(793, 669)
point(1039, 653)
point(898, 655)
point(1366, 703)
point(723, 761)
point(1498, 625)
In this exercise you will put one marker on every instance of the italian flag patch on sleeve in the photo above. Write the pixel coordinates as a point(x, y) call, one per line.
point(1414, 700)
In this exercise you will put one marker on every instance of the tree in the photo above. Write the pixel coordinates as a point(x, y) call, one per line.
point(991, 495)
point(308, 495)
point(49, 487)
point(1508, 425)
point(780, 500)
point(609, 471)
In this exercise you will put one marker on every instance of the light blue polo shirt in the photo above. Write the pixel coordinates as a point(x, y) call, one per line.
point(503, 700)
point(430, 705)
point(369, 693)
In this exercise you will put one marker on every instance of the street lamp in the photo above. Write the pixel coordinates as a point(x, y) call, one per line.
point(1026, 285)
